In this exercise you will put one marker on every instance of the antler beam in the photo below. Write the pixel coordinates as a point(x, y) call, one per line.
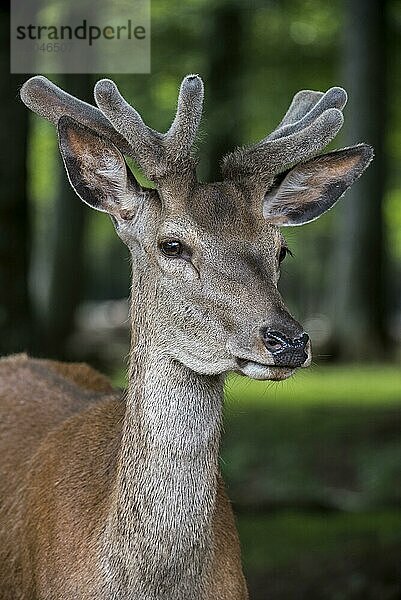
point(51, 102)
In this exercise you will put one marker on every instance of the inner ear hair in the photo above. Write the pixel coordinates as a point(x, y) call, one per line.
point(96, 169)
point(303, 193)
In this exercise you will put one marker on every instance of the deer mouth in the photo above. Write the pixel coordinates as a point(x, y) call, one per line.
point(257, 370)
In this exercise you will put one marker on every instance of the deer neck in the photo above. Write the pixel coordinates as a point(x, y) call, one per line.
point(168, 466)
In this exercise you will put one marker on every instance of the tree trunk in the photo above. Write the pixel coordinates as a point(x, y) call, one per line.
point(224, 77)
point(359, 282)
point(15, 309)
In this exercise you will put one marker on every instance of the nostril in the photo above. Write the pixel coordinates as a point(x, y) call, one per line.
point(273, 341)
point(302, 341)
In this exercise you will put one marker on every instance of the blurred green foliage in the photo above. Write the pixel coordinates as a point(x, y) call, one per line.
point(310, 556)
point(310, 463)
point(330, 439)
point(315, 534)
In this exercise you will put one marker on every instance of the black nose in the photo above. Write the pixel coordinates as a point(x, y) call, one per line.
point(286, 352)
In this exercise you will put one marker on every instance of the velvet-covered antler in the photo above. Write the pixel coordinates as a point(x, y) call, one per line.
point(156, 153)
point(311, 122)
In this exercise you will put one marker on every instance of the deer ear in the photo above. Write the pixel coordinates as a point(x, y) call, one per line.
point(97, 170)
point(309, 189)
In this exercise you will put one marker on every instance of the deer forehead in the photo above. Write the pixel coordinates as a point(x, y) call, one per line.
point(214, 208)
point(218, 214)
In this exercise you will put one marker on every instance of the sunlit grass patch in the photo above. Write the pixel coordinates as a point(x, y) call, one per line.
point(356, 384)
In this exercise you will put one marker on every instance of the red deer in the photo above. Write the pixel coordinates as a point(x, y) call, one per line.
point(109, 496)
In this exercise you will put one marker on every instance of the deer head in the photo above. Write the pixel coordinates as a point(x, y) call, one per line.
point(211, 250)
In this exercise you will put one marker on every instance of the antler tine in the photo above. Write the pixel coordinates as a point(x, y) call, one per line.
point(335, 97)
point(311, 122)
point(124, 118)
point(158, 154)
point(301, 104)
point(51, 102)
point(183, 130)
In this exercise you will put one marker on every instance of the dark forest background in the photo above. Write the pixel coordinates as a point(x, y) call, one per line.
point(313, 465)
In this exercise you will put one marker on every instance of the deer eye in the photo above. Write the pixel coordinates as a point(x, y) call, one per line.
point(171, 248)
point(283, 253)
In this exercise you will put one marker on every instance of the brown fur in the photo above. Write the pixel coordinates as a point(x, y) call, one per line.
point(60, 436)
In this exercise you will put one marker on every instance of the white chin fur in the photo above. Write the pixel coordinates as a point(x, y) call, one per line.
point(258, 371)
